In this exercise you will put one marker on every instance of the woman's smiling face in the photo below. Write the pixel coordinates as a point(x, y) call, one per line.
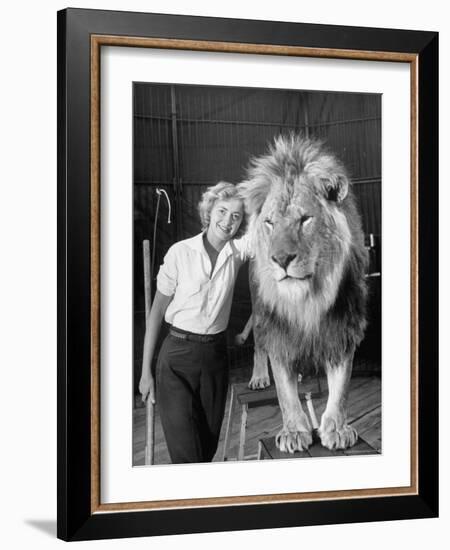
point(225, 218)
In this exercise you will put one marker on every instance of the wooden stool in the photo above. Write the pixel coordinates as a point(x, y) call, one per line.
point(267, 450)
point(246, 398)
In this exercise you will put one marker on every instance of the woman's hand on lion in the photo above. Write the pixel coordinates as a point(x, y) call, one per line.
point(147, 388)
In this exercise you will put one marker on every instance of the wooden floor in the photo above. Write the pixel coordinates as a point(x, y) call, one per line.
point(364, 413)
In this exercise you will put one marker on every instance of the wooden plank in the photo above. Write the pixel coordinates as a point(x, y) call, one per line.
point(362, 396)
point(358, 388)
point(376, 444)
point(272, 452)
point(261, 422)
point(244, 412)
point(268, 396)
point(358, 404)
point(318, 450)
point(369, 427)
point(366, 421)
point(229, 413)
point(161, 454)
point(360, 448)
point(373, 435)
point(263, 453)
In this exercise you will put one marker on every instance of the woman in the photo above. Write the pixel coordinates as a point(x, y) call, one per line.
point(194, 293)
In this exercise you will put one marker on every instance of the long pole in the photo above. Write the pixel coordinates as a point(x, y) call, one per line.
point(149, 406)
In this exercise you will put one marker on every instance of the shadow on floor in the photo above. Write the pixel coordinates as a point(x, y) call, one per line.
point(47, 526)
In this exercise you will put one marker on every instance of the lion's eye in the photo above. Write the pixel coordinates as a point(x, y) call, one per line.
point(305, 220)
point(269, 223)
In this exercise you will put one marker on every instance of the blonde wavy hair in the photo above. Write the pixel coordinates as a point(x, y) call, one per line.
point(221, 191)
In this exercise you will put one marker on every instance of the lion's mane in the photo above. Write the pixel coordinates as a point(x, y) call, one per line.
point(322, 319)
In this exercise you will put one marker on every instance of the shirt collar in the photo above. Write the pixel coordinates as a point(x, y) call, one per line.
point(196, 243)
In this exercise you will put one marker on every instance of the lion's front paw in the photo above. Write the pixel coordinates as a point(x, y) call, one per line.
point(340, 438)
point(240, 339)
point(289, 442)
point(259, 382)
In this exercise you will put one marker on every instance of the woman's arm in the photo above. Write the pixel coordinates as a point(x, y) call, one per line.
point(153, 326)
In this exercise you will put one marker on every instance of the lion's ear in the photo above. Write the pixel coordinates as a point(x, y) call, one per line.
point(254, 192)
point(335, 187)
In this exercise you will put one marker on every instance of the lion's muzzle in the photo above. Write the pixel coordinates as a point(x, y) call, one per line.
point(283, 259)
point(290, 257)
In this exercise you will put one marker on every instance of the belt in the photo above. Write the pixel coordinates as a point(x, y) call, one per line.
point(192, 337)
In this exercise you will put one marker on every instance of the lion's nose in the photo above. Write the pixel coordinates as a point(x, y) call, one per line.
point(283, 260)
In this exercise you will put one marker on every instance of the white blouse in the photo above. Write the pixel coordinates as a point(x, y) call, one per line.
point(201, 300)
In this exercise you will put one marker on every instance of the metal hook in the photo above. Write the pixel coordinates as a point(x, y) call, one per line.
point(159, 191)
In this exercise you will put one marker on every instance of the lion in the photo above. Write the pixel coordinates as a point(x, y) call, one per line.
point(307, 281)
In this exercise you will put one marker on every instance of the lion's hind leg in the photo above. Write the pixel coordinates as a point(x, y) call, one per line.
point(260, 375)
point(334, 431)
point(296, 433)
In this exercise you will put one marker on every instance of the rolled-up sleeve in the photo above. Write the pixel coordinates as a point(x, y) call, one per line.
point(167, 278)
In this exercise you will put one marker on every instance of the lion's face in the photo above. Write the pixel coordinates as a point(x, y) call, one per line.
point(300, 233)
point(291, 227)
point(301, 236)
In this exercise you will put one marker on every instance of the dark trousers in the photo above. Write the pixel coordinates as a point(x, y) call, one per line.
point(191, 391)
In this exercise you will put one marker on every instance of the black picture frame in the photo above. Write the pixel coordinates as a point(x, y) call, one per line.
point(79, 517)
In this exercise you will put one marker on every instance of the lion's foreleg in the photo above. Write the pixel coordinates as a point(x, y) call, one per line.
point(334, 431)
point(296, 432)
point(260, 375)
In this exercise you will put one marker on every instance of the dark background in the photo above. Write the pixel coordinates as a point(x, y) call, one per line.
point(189, 137)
